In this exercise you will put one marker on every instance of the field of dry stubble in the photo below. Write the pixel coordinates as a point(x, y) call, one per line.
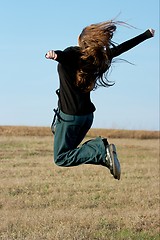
point(40, 201)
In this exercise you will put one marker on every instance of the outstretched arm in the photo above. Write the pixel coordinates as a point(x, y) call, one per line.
point(123, 47)
point(68, 56)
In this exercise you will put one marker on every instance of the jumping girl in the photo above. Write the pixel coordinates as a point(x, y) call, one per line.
point(82, 69)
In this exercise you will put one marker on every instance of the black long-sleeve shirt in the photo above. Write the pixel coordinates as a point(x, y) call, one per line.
point(72, 100)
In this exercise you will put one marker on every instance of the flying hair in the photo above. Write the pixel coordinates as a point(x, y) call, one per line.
point(95, 42)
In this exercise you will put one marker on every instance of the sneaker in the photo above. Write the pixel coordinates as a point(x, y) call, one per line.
point(112, 161)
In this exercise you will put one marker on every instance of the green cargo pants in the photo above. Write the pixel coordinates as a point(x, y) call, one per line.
point(69, 132)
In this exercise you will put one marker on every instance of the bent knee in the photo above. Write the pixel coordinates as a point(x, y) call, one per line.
point(58, 162)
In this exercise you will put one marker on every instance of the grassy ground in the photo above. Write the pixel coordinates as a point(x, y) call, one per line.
point(40, 201)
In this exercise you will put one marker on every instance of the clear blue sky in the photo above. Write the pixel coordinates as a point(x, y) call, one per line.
point(28, 29)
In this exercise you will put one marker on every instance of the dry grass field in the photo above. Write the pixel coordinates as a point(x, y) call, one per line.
point(40, 201)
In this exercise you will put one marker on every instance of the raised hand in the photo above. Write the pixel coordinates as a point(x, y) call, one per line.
point(152, 31)
point(51, 55)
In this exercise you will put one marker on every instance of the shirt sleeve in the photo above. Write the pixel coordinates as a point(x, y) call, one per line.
point(68, 56)
point(123, 47)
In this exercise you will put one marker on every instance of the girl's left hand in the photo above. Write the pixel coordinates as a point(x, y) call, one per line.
point(51, 55)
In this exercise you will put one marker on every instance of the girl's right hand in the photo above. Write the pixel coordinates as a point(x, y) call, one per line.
point(51, 55)
point(152, 31)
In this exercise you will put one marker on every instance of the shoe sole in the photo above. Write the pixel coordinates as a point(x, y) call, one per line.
point(116, 171)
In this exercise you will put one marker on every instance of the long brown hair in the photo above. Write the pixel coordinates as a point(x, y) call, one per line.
point(95, 42)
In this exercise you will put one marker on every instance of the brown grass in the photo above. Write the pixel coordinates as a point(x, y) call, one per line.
point(40, 201)
point(110, 133)
point(115, 133)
